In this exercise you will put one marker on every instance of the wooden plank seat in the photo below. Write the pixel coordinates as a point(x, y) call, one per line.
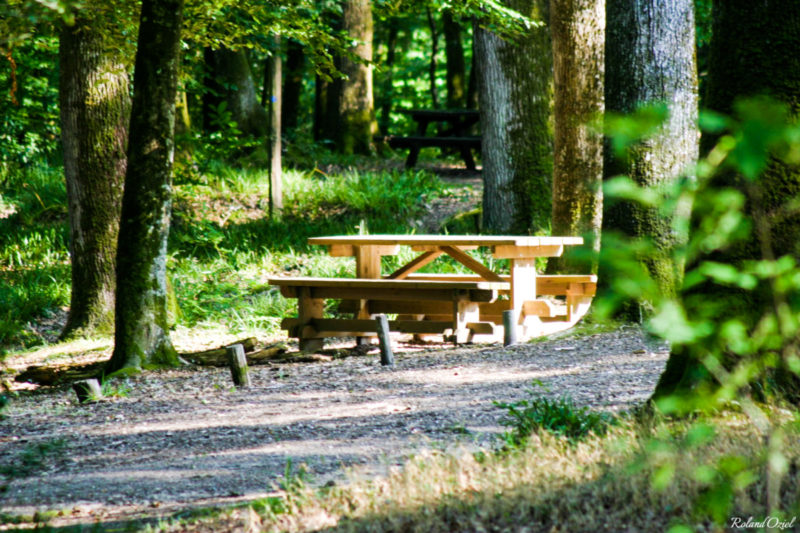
point(458, 300)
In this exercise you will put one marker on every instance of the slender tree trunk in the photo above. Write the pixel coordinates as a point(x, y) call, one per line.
point(578, 29)
point(753, 52)
point(292, 85)
point(95, 109)
point(515, 91)
point(432, 65)
point(650, 59)
point(474, 71)
point(456, 67)
point(275, 106)
point(388, 80)
point(321, 87)
point(229, 79)
point(356, 103)
point(142, 336)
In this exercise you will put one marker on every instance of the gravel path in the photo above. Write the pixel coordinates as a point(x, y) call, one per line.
point(184, 438)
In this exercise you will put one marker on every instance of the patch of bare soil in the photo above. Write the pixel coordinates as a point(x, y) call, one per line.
point(185, 438)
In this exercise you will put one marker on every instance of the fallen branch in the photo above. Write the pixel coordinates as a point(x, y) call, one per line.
point(58, 374)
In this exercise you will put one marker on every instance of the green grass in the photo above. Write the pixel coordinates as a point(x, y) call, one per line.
point(223, 243)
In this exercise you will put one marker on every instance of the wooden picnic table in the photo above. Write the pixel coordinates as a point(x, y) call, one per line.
point(466, 304)
point(455, 133)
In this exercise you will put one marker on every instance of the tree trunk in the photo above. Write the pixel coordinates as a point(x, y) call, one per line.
point(95, 109)
point(753, 52)
point(230, 80)
point(388, 80)
point(292, 85)
point(515, 91)
point(356, 103)
point(275, 107)
point(456, 67)
point(142, 336)
point(432, 64)
point(650, 59)
point(578, 29)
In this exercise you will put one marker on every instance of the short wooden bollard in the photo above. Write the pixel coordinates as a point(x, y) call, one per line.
point(238, 363)
point(87, 390)
point(387, 357)
point(510, 328)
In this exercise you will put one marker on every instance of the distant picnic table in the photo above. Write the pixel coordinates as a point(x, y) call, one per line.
point(458, 305)
point(454, 134)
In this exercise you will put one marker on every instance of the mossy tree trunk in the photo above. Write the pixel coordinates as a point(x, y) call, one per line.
point(515, 96)
point(650, 59)
point(456, 66)
point(753, 52)
point(95, 109)
point(356, 103)
point(387, 90)
point(578, 32)
point(142, 336)
point(229, 79)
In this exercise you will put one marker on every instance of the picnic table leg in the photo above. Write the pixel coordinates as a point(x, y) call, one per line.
point(464, 312)
point(466, 155)
point(368, 265)
point(307, 309)
point(523, 287)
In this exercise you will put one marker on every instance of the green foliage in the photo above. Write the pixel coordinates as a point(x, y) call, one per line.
point(737, 319)
point(558, 416)
point(29, 121)
point(33, 251)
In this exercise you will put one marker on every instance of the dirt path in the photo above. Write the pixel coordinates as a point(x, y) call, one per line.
point(185, 438)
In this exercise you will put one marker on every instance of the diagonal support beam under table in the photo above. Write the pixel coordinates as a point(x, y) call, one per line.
point(471, 263)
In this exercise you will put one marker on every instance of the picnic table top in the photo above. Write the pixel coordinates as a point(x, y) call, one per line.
point(446, 240)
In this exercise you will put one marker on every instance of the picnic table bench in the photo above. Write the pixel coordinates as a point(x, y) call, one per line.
point(455, 133)
point(456, 305)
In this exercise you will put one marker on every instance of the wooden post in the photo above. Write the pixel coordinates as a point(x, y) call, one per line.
point(510, 327)
point(387, 357)
point(238, 364)
point(87, 390)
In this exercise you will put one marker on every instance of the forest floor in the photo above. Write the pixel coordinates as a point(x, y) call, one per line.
point(168, 442)
point(180, 439)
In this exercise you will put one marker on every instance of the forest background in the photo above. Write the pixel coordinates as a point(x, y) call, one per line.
point(724, 356)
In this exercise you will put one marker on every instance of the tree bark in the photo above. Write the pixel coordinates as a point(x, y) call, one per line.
point(142, 336)
point(230, 80)
point(356, 102)
point(456, 67)
point(388, 76)
point(432, 66)
point(578, 31)
point(515, 92)
point(650, 59)
point(275, 141)
point(292, 85)
point(95, 109)
point(753, 52)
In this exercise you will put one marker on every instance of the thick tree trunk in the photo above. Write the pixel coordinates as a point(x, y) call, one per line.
point(650, 59)
point(292, 85)
point(515, 91)
point(753, 52)
point(356, 102)
point(95, 108)
point(456, 67)
point(142, 336)
point(578, 30)
point(229, 79)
